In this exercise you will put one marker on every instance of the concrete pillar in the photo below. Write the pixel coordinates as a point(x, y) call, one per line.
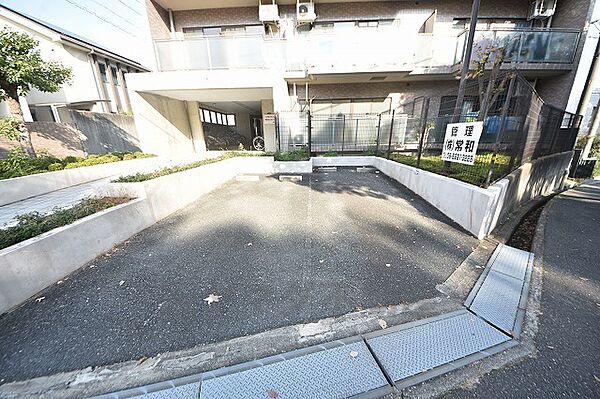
point(268, 128)
point(196, 126)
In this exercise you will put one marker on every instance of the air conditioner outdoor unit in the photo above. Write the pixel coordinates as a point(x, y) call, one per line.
point(305, 12)
point(541, 9)
point(268, 12)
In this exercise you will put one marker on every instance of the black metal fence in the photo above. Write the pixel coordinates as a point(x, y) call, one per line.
point(518, 127)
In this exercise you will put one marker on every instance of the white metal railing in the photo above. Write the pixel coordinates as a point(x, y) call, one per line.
point(358, 50)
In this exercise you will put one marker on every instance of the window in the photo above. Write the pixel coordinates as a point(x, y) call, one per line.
point(217, 118)
point(231, 30)
point(115, 75)
point(103, 75)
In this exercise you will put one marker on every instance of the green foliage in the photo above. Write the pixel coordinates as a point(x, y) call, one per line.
point(34, 224)
point(595, 150)
point(18, 163)
point(298, 155)
point(475, 174)
point(330, 154)
point(140, 177)
point(8, 128)
point(22, 66)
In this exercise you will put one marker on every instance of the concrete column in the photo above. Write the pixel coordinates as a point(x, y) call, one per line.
point(111, 82)
point(268, 128)
point(196, 126)
point(102, 88)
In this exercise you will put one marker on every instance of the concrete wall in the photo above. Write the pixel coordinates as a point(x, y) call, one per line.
point(32, 265)
point(162, 124)
point(104, 132)
point(19, 188)
point(542, 176)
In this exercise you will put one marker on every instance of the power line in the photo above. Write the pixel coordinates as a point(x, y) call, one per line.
point(128, 6)
point(112, 12)
point(99, 17)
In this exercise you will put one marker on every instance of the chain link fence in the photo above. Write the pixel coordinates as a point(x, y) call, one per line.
point(518, 127)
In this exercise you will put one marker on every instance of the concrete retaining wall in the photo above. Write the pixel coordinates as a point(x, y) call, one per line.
point(34, 264)
point(104, 132)
point(19, 188)
point(293, 166)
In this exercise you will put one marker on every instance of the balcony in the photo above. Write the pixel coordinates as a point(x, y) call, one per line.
point(531, 46)
point(390, 50)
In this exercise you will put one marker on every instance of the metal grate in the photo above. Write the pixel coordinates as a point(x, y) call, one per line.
point(339, 372)
point(433, 343)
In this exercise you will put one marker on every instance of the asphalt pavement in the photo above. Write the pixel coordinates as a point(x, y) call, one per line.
point(273, 253)
point(568, 341)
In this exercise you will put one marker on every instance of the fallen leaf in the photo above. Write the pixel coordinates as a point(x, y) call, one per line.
point(59, 282)
point(354, 354)
point(121, 282)
point(92, 266)
point(212, 298)
point(142, 360)
point(388, 265)
point(272, 394)
point(40, 299)
point(382, 323)
point(321, 261)
point(249, 244)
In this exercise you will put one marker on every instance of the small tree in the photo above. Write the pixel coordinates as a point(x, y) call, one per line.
point(21, 68)
point(489, 94)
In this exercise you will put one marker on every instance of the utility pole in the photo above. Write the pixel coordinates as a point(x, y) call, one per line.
point(590, 84)
point(464, 72)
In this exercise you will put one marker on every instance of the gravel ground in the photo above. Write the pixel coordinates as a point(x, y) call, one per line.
point(276, 253)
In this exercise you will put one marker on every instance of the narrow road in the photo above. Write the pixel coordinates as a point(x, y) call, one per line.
point(568, 362)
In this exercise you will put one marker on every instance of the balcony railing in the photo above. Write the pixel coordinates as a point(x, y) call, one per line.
point(217, 52)
point(360, 51)
point(525, 45)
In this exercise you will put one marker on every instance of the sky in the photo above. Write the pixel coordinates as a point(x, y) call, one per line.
point(118, 25)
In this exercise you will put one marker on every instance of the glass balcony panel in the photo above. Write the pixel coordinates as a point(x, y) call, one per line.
point(196, 52)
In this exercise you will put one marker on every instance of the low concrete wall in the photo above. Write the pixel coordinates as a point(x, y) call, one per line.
point(540, 177)
point(32, 265)
point(293, 166)
point(23, 187)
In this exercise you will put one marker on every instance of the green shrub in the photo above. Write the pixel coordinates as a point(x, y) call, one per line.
point(128, 157)
point(34, 224)
point(140, 177)
point(8, 128)
point(298, 155)
point(330, 154)
point(18, 163)
point(55, 166)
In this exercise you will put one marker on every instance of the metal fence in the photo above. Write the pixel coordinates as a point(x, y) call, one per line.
point(518, 127)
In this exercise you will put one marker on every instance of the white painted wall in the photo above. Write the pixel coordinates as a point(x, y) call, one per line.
point(162, 124)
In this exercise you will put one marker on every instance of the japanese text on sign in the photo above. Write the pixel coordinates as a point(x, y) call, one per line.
point(460, 144)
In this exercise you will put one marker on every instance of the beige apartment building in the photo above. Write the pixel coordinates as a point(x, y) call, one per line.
point(225, 68)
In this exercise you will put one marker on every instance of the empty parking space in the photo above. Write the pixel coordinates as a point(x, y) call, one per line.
point(276, 252)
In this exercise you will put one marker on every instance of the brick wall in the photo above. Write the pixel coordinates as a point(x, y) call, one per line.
point(158, 19)
point(569, 14)
point(447, 10)
point(58, 139)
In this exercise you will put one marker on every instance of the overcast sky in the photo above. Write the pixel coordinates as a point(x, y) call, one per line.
point(118, 25)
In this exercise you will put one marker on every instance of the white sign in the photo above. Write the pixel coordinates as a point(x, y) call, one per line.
point(460, 144)
point(269, 119)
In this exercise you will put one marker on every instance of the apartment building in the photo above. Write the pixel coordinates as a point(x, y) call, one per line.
point(227, 66)
point(98, 83)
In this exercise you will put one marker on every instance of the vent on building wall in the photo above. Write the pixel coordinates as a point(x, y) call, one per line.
point(541, 9)
point(305, 12)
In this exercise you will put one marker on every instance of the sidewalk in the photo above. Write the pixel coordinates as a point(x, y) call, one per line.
point(567, 340)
